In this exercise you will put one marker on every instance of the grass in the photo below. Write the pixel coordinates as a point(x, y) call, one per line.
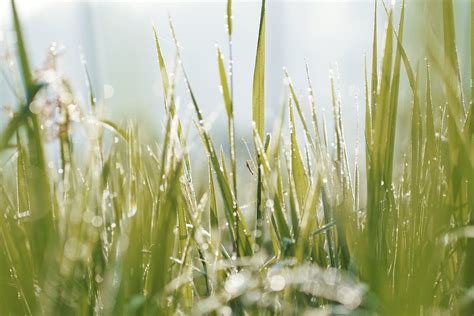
point(122, 227)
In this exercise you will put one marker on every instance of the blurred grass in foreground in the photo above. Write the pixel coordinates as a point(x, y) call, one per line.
point(121, 227)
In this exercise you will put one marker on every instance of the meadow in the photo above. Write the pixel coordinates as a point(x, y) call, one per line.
point(118, 224)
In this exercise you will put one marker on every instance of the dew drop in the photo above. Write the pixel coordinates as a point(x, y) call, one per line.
point(132, 211)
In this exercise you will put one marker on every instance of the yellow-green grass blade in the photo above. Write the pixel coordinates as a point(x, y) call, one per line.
point(12, 126)
point(237, 224)
point(169, 100)
point(430, 148)
point(416, 136)
point(454, 93)
point(258, 91)
point(296, 102)
point(224, 164)
point(374, 76)
point(314, 116)
point(337, 123)
point(368, 123)
point(308, 223)
point(450, 50)
point(259, 204)
point(114, 128)
point(224, 85)
point(214, 217)
point(158, 275)
point(40, 193)
point(382, 110)
point(394, 92)
point(376, 179)
point(90, 89)
point(26, 73)
point(297, 167)
point(279, 209)
point(226, 93)
point(229, 17)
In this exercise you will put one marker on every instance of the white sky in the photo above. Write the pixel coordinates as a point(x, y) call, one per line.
point(30, 7)
point(27, 6)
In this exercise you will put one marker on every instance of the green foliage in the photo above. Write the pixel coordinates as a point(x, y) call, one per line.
point(258, 92)
point(120, 226)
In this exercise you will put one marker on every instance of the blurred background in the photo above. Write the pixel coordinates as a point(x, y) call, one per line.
point(115, 37)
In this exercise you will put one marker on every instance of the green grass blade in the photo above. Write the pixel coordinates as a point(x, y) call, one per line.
point(92, 98)
point(374, 77)
point(430, 148)
point(229, 17)
point(301, 115)
point(368, 123)
point(12, 126)
point(169, 100)
point(297, 166)
point(226, 93)
point(158, 275)
point(214, 218)
point(258, 92)
point(113, 127)
point(23, 56)
point(308, 223)
point(314, 116)
point(450, 51)
point(224, 85)
point(394, 91)
point(41, 203)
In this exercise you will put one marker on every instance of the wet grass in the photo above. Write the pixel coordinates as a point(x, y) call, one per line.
point(120, 226)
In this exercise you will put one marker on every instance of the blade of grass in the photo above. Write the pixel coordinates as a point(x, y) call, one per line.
point(297, 167)
point(41, 202)
point(224, 85)
point(230, 118)
point(258, 92)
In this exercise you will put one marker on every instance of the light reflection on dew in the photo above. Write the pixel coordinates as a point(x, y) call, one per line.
point(235, 283)
point(277, 283)
point(132, 211)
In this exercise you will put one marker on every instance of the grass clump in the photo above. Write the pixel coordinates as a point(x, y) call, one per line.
point(122, 227)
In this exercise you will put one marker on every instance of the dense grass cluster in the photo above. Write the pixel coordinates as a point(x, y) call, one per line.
point(118, 226)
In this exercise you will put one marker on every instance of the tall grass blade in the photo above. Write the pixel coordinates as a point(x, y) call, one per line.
point(224, 85)
point(258, 92)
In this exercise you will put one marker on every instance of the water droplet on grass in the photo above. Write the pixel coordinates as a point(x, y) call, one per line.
point(96, 221)
point(132, 211)
point(269, 203)
point(277, 283)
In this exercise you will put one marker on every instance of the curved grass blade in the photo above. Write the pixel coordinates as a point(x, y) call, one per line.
point(111, 126)
point(169, 100)
point(24, 63)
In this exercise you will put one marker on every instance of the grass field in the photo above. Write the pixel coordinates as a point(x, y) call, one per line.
point(120, 226)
